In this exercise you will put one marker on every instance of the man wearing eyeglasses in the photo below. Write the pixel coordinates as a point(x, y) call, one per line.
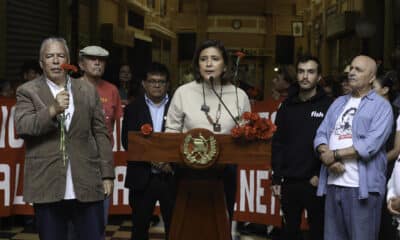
point(147, 182)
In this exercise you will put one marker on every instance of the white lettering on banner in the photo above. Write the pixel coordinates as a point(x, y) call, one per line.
point(5, 184)
point(121, 148)
point(18, 199)
point(4, 117)
point(246, 190)
point(119, 186)
point(273, 117)
point(250, 188)
point(273, 204)
point(260, 208)
point(267, 115)
point(14, 142)
point(114, 136)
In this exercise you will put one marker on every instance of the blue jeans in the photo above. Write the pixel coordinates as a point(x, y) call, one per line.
point(349, 218)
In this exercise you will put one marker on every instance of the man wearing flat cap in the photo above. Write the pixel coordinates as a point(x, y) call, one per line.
point(92, 61)
point(68, 156)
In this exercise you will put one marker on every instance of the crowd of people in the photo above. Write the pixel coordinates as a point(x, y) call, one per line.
point(335, 152)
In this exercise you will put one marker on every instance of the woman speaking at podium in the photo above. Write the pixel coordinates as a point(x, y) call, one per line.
point(200, 104)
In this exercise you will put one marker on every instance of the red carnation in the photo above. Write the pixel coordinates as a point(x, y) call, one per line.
point(240, 54)
point(260, 124)
point(250, 133)
point(246, 116)
point(254, 117)
point(237, 132)
point(146, 129)
point(272, 126)
point(69, 68)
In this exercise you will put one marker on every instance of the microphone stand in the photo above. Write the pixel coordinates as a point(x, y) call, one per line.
point(211, 79)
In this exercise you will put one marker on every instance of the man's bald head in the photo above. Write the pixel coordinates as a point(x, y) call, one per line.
point(362, 74)
point(369, 63)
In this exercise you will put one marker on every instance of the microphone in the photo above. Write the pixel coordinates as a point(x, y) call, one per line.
point(211, 79)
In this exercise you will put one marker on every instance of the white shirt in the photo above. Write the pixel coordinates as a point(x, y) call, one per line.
point(342, 138)
point(157, 112)
point(69, 112)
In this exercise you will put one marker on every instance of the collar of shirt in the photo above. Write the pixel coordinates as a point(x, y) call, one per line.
point(157, 112)
point(55, 89)
point(151, 104)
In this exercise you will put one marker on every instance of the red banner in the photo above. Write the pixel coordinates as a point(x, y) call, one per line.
point(254, 200)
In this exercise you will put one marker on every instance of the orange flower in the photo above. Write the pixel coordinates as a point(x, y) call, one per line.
point(146, 129)
point(260, 124)
point(250, 133)
point(272, 126)
point(254, 117)
point(69, 68)
point(246, 116)
point(237, 132)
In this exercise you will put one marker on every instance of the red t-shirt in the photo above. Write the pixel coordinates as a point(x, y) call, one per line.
point(112, 107)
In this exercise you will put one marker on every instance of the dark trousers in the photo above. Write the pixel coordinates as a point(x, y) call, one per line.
point(161, 187)
point(298, 195)
point(87, 219)
point(230, 185)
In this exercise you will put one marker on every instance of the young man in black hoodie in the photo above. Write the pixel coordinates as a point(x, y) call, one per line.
point(294, 163)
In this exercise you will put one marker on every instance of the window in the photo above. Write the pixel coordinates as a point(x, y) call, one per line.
point(135, 20)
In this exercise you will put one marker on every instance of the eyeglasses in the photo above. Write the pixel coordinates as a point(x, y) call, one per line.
point(154, 82)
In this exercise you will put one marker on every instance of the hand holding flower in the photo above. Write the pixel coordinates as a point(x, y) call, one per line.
point(62, 101)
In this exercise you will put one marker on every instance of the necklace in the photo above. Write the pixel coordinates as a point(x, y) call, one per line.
point(216, 125)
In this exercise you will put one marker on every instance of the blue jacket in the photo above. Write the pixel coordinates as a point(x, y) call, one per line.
point(371, 127)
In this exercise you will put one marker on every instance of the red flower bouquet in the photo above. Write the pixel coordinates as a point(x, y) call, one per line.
point(254, 127)
point(146, 129)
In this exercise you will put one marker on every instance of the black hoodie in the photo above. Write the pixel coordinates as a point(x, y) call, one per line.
point(293, 156)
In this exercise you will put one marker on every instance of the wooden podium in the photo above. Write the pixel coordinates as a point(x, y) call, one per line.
point(200, 208)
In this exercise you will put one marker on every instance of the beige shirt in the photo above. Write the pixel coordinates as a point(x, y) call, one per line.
point(185, 112)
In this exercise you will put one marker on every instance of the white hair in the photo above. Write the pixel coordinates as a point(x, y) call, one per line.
point(50, 40)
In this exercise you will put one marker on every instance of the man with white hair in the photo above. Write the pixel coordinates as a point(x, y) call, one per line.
point(68, 163)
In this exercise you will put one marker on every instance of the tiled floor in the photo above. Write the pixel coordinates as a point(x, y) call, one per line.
point(118, 229)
